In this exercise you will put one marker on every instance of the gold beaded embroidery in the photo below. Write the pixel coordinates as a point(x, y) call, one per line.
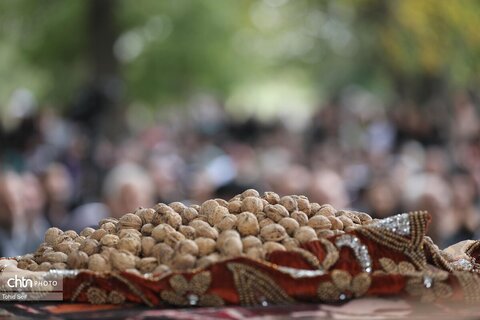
point(191, 292)
point(255, 287)
point(470, 284)
point(309, 257)
point(344, 286)
point(390, 267)
point(331, 254)
point(96, 295)
point(429, 285)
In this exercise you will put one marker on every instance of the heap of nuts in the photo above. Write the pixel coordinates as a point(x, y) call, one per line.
point(179, 237)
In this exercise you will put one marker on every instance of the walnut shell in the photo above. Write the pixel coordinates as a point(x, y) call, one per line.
point(290, 243)
point(364, 217)
point(304, 205)
point(98, 263)
point(187, 247)
point(300, 217)
point(109, 240)
point(290, 225)
point(147, 229)
point(167, 216)
point(87, 232)
point(228, 222)
point(71, 233)
point(131, 245)
point(217, 215)
point(256, 253)
point(59, 266)
point(130, 221)
point(314, 208)
point(198, 223)
point(189, 214)
point(205, 246)
point(145, 214)
point(250, 242)
point(273, 232)
point(183, 262)
point(161, 269)
point(188, 232)
point(208, 207)
point(67, 247)
point(346, 221)
point(231, 247)
point(207, 260)
point(271, 246)
point(109, 227)
point(222, 202)
point(44, 266)
point(161, 231)
point(122, 260)
point(250, 193)
point(276, 212)
point(162, 252)
point(225, 235)
point(90, 246)
point(252, 204)
point(265, 222)
point(147, 244)
point(173, 238)
point(79, 239)
point(247, 223)
point(271, 197)
point(305, 234)
point(207, 232)
point(178, 207)
point(289, 203)
point(235, 206)
point(129, 233)
point(324, 233)
point(51, 235)
point(337, 224)
point(147, 265)
point(319, 222)
point(98, 234)
point(327, 210)
point(77, 260)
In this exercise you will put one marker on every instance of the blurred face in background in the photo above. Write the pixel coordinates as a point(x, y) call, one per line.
point(11, 204)
point(58, 184)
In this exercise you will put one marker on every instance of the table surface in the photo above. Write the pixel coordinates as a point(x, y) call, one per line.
point(368, 308)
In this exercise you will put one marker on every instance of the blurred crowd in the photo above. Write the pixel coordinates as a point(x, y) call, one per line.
point(63, 170)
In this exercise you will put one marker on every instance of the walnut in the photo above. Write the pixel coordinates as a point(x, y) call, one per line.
point(290, 225)
point(225, 235)
point(252, 204)
point(319, 222)
point(109, 227)
point(109, 219)
point(231, 247)
point(305, 234)
point(187, 247)
point(33, 266)
point(276, 212)
point(169, 217)
point(198, 223)
point(256, 253)
point(162, 252)
point(24, 263)
point(89, 246)
point(146, 214)
point(304, 205)
point(314, 208)
point(208, 207)
point(327, 210)
point(161, 231)
point(351, 228)
point(162, 211)
point(147, 265)
point(271, 246)
point(173, 238)
point(265, 222)
point(206, 261)
point(290, 243)
point(59, 266)
point(324, 233)
point(147, 229)
point(98, 234)
point(247, 223)
point(44, 266)
point(300, 217)
point(352, 216)
point(222, 202)
point(132, 245)
point(235, 206)
point(250, 242)
point(72, 234)
point(273, 232)
point(122, 260)
point(67, 247)
point(187, 231)
point(147, 244)
point(337, 224)
point(271, 197)
point(130, 221)
point(87, 232)
point(98, 263)
point(364, 217)
point(205, 246)
point(250, 193)
point(183, 262)
point(178, 207)
point(109, 240)
point(289, 203)
point(346, 221)
point(216, 215)
point(77, 260)
point(129, 233)
point(80, 240)
point(189, 214)
point(228, 222)
point(107, 252)
point(51, 235)
point(207, 232)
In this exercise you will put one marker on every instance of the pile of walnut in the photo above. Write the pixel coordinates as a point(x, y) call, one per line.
point(179, 237)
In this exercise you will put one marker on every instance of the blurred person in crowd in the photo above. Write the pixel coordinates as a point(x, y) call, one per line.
point(58, 186)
